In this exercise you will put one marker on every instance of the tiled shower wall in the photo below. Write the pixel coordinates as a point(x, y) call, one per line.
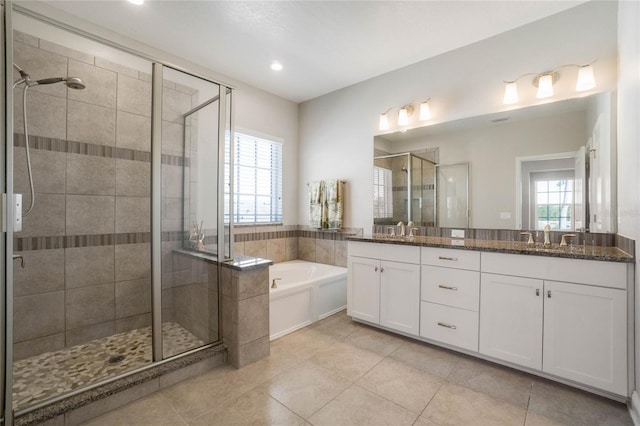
point(86, 243)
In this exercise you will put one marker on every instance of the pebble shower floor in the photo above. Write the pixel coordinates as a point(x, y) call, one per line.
point(52, 374)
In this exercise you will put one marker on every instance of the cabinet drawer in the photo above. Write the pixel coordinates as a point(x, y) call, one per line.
point(451, 258)
point(457, 327)
point(393, 252)
point(452, 287)
point(591, 272)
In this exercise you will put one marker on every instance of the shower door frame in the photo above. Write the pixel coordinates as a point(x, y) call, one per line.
point(6, 163)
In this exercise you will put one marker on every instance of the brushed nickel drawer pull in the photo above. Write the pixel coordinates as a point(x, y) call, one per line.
point(448, 287)
point(444, 324)
point(455, 259)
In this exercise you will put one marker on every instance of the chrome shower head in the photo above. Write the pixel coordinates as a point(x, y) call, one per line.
point(71, 82)
point(75, 83)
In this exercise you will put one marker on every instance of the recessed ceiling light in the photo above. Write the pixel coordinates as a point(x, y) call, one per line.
point(276, 66)
point(137, 2)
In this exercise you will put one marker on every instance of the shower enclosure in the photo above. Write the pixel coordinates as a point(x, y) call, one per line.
point(122, 158)
point(404, 190)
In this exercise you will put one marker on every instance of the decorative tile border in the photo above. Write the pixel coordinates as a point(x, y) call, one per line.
point(83, 148)
point(304, 232)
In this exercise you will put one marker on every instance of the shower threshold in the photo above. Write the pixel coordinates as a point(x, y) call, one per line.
point(52, 374)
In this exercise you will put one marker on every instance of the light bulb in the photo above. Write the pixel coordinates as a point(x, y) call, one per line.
point(510, 93)
point(384, 122)
point(276, 66)
point(403, 117)
point(425, 111)
point(586, 80)
point(545, 86)
point(137, 2)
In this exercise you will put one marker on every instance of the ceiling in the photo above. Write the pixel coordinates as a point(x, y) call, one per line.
point(322, 45)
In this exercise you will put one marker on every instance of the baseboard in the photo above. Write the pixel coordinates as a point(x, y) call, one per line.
point(634, 408)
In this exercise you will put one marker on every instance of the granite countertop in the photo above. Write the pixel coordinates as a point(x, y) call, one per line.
point(239, 263)
point(609, 254)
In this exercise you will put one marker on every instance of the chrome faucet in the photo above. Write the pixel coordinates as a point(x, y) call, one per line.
point(403, 230)
point(564, 237)
point(273, 282)
point(547, 233)
point(530, 242)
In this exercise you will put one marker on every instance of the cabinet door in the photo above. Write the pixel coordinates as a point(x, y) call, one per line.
point(363, 289)
point(400, 296)
point(511, 319)
point(584, 335)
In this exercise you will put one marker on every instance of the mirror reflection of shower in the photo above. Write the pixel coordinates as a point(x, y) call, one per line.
point(25, 79)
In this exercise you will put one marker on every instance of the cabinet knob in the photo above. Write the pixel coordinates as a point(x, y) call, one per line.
point(381, 269)
point(537, 292)
point(549, 294)
point(376, 269)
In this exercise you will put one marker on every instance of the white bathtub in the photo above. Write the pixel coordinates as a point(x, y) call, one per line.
point(306, 293)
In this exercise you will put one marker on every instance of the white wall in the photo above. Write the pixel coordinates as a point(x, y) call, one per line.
point(336, 130)
point(255, 109)
point(629, 141)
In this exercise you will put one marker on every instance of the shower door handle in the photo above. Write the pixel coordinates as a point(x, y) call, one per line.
point(16, 205)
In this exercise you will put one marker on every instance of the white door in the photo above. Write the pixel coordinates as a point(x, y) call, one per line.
point(584, 335)
point(400, 296)
point(363, 289)
point(511, 319)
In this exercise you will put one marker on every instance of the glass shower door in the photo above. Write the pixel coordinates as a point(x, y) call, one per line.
point(190, 211)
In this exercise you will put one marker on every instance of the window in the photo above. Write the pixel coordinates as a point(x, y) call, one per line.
point(553, 194)
point(257, 179)
point(382, 193)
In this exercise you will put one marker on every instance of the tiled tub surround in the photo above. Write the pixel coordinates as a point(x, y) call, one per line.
point(281, 243)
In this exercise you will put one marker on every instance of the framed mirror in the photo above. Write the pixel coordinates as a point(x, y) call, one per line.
point(546, 164)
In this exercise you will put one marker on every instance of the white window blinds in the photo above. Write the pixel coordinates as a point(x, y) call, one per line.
point(257, 179)
point(382, 193)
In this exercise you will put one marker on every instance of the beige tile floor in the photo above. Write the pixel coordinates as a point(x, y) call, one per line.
point(338, 372)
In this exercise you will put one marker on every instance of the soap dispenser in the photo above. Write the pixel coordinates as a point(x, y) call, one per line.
point(547, 232)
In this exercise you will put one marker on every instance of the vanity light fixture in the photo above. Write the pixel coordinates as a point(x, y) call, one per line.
point(404, 113)
point(586, 81)
point(545, 81)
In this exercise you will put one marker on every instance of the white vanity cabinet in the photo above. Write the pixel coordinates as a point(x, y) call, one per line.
point(450, 290)
point(511, 319)
point(383, 285)
point(566, 317)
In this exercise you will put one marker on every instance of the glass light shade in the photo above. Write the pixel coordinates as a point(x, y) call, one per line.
point(545, 86)
point(586, 80)
point(403, 117)
point(510, 93)
point(425, 111)
point(384, 122)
